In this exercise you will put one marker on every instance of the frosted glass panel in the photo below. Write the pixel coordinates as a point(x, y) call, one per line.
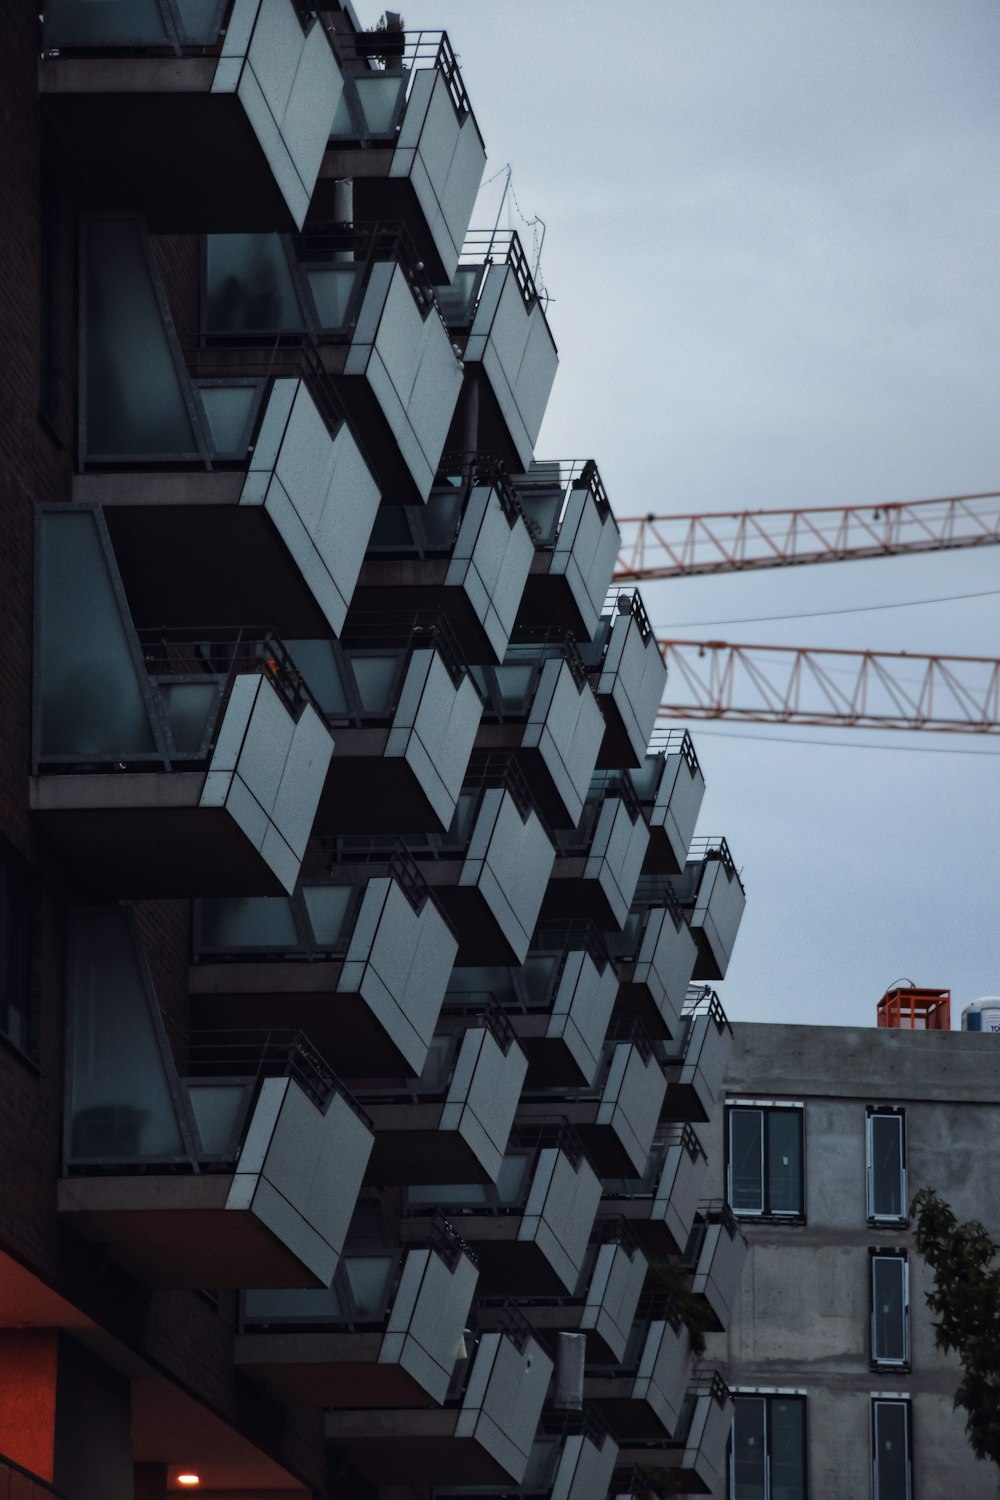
point(333, 292)
point(368, 1278)
point(135, 403)
point(542, 508)
point(375, 677)
point(538, 974)
point(377, 100)
point(441, 517)
point(218, 1112)
point(228, 408)
point(232, 922)
point(310, 1305)
point(96, 23)
point(249, 286)
point(91, 705)
point(316, 661)
point(329, 907)
point(512, 1180)
point(189, 706)
point(198, 20)
point(514, 685)
point(458, 300)
point(119, 1097)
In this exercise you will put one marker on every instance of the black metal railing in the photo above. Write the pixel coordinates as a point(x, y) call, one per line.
point(482, 469)
point(714, 846)
point(445, 1240)
point(406, 632)
point(674, 742)
point(268, 1053)
point(573, 933)
point(625, 600)
point(214, 651)
point(501, 247)
point(631, 1029)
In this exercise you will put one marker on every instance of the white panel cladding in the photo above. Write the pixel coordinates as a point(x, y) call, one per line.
point(585, 1470)
point(491, 561)
point(484, 1094)
point(428, 1316)
point(633, 675)
point(665, 964)
point(679, 1188)
point(268, 771)
point(719, 1271)
point(434, 729)
point(706, 1054)
point(399, 961)
point(586, 549)
point(289, 84)
point(719, 910)
point(444, 158)
point(707, 1437)
point(631, 1101)
point(617, 851)
point(613, 1295)
point(518, 356)
point(300, 1172)
point(582, 1009)
point(411, 367)
point(662, 1377)
point(567, 726)
point(503, 1399)
point(510, 860)
point(560, 1211)
point(319, 493)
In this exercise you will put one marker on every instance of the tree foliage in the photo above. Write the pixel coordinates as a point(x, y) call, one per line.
point(965, 1301)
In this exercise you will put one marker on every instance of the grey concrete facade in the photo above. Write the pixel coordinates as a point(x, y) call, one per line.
point(805, 1326)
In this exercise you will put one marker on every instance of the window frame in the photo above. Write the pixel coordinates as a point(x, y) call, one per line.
point(766, 1108)
point(877, 1253)
point(880, 1399)
point(875, 1112)
point(17, 901)
point(766, 1398)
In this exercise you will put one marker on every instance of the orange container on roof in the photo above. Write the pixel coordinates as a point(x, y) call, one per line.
point(908, 1008)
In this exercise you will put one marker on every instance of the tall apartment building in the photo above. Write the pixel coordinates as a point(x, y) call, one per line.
point(350, 1079)
point(827, 1134)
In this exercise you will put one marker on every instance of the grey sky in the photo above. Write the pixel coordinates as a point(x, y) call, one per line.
point(772, 232)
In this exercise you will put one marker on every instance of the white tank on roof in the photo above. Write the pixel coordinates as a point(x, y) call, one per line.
point(982, 1015)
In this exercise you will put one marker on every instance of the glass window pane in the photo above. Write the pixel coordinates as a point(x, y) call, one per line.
point(134, 399)
point(787, 1449)
point(749, 1448)
point(784, 1161)
point(746, 1160)
point(889, 1309)
point(891, 1458)
point(121, 23)
point(249, 286)
point(886, 1146)
point(229, 923)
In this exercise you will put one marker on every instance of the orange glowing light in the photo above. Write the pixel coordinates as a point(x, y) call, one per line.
point(189, 1480)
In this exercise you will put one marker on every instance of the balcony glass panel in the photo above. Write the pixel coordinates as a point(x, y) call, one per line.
point(248, 285)
point(457, 301)
point(134, 399)
point(91, 704)
point(377, 104)
point(370, 1280)
point(318, 665)
point(329, 908)
point(129, 23)
point(334, 289)
point(120, 1103)
point(234, 922)
point(189, 707)
point(376, 681)
point(218, 1113)
point(228, 409)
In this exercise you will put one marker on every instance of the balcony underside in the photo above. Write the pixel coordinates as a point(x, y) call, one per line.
point(628, 1416)
point(635, 1000)
point(410, 1147)
point(375, 435)
point(190, 555)
point(551, 1061)
point(304, 997)
point(368, 792)
point(378, 199)
point(548, 596)
point(147, 135)
point(144, 835)
point(652, 1230)
point(173, 1230)
point(412, 1447)
point(320, 1368)
point(617, 750)
point(508, 1267)
point(548, 1320)
point(690, 1470)
point(572, 894)
point(405, 585)
point(481, 938)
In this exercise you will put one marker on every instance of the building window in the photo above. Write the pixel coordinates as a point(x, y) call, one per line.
point(15, 949)
point(885, 1149)
point(768, 1451)
point(764, 1170)
point(890, 1307)
point(892, 1477)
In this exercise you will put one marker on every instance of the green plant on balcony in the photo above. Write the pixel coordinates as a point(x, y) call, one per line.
point(665, 1278)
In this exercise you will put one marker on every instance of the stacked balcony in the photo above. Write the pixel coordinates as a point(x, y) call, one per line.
point(405, 137)
point(696, 1064)
point(642, 1397)
point(466, 553)
point(695, 1456)
point(576, 544)
point(670, 787)
point(660, 1204)
point(600, 862)
point(361, 968)
point(202, 117)
point(656, 955)
point(715, 1254)
point(496, 316)
point(629, 676)
point(712, 894)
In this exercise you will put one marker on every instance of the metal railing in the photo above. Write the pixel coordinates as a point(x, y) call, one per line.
point(400, 52)
point(674, 742)
point(487, 247)
point(482, 469)
point(713, 846)
point(626, 600)
point(264, 1053)
point(369, 243)
point(407, 632)
point(573, 933)
point(702, 1000)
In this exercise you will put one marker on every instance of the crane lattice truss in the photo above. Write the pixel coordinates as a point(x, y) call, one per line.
point(823, 686)
point(738, 541)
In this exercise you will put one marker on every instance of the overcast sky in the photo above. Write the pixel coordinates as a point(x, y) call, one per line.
point(772, 239)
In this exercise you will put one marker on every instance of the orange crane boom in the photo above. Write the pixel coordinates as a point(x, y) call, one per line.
point(824, 686)
point(738, 541)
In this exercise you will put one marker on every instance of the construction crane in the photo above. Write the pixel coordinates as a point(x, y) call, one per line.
point(799, 685)
point(655, 547)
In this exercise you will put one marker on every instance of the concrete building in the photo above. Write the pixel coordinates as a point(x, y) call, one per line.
point(827, 1134)
point(351, 1077)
